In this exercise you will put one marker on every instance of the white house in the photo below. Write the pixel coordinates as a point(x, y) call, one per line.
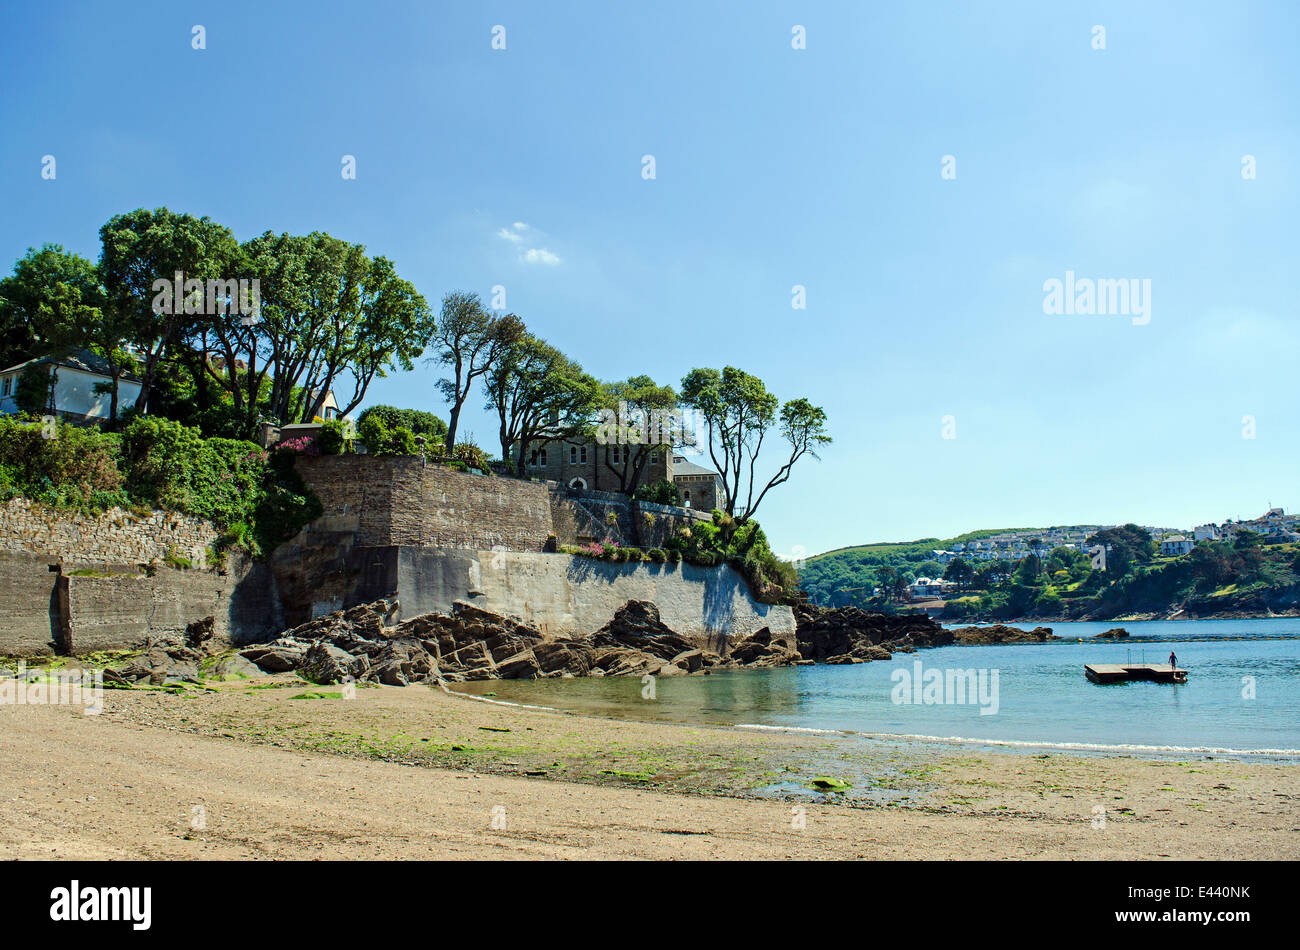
point(76, 376)
point(1207, 532)
point(925, 588)
point(1175, 546)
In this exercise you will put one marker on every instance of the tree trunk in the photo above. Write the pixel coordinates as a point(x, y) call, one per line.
point(453, 421)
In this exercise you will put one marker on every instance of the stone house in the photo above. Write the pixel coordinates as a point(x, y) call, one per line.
point(587, 465)
point(700, 487)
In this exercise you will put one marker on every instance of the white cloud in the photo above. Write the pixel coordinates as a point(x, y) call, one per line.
point(540, 255)
point(515, 234)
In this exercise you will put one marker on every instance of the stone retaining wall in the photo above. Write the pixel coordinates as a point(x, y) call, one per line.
point(114, 537)
point(402, 501)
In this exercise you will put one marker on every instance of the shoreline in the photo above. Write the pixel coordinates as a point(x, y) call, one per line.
point(409, 772)
point(953, 743)
point(1177, 616)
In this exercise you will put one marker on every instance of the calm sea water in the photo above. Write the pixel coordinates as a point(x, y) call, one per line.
point(1043, 699)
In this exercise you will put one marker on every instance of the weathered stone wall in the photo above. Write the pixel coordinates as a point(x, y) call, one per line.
point(581, 518)
point(401, 501)
point(114, 537)
point(116, 611)
point(28, 615)
point(73, 608)
point(564, 595)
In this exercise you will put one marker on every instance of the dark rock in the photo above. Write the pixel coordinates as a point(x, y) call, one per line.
point(636, 625)
point(564, 656)
point(825, 633)
point(326, 663)
point(275, 657)
point(200, 631)
point(1001, 633)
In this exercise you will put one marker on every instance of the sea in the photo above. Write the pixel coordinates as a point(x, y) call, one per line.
point(1241, 698)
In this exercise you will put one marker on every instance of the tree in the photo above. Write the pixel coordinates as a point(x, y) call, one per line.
point(1029, 569)
point(959, 572)
point(539, 395)
point(142, 247)
point(420, 423)
point(637, 420)
point(1125, 546)
point(470, 341)
point(326, 313)
point(738, 413)
point(887, 577)
point(53, 304)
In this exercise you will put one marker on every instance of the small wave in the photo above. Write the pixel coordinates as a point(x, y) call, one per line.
point(502, 702)
point(1041, 744)
point(762, 728)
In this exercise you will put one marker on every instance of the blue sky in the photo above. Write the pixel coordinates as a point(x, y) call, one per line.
point(775, 167)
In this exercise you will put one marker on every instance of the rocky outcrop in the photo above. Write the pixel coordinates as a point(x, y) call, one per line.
point(1114, 633)
point(472, 644)
point(1001, 633)
point(158, 664)
point(852, 635)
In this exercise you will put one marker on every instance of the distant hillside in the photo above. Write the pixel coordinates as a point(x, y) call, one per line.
point(837, 578)
point(1248, 576)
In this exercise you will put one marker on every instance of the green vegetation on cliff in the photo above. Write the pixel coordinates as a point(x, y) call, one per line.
point(256, 499)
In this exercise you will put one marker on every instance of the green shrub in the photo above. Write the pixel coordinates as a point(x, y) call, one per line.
point(469, 453)
point(380, 439)
point(662, 492)
point(656, 555)
point(32, 394)
point(74, 468)
point(418, 421)
point(331, 440)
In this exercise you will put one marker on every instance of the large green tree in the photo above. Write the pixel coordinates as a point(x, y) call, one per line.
point(330, 316)
point(539, 395)
point(469, 341)
point(142, 247)
point(637, 421)
point(739, 414)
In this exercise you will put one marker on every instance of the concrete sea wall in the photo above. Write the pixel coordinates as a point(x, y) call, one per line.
point(567, 595)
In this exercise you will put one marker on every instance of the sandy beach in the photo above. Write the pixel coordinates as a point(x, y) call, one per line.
point(265, 770)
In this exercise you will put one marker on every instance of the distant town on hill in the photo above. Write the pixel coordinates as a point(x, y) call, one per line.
point(1242, 567)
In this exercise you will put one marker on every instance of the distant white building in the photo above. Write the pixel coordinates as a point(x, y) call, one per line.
point(1207, 532)
point(926, 588)
point(76, 377)
point(1175, 546)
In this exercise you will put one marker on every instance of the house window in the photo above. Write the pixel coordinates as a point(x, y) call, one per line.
point(577, 455)
point(8, 385)
point(573, 455)
point(654, 458)
point(616, 455)
point(582, 455)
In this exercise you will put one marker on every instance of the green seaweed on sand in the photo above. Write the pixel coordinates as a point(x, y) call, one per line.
point(824, 783)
